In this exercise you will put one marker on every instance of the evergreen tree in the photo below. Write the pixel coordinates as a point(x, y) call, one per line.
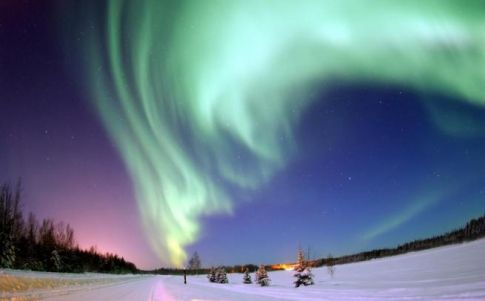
point(7, 251)
point(303, 272)
point(56, 261)
point(262, 277)
point(221, 276)
point(247, 277)
point(212, 275)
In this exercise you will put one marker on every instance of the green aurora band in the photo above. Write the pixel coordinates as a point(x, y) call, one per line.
point(186, 88)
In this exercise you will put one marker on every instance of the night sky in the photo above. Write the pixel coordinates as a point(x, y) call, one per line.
point(244, 130)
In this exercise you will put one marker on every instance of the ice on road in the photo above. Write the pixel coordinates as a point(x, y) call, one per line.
point(449, 273)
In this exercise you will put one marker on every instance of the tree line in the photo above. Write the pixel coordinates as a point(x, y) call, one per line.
point(198, 271)
point(474, 229)
point(27, 243)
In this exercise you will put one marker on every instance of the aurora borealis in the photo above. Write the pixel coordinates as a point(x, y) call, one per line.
point(215, 106)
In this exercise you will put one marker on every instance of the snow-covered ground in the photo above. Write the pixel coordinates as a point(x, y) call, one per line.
point(448, 273)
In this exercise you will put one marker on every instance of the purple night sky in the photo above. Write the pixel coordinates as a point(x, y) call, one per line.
point(367, 156)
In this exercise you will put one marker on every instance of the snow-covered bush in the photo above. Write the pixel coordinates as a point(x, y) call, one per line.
point(262, 276)
point(305, 277)
point(221, 276)
point(247, 277)
point(212, 275)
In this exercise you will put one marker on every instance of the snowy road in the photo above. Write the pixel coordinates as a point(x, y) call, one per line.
point(148, 288)
point(448, 273)
point(139, 289)
point(158, 288)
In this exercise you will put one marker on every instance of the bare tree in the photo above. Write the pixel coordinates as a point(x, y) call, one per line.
point(330, 265)
point(194, 262)
point(11, 224)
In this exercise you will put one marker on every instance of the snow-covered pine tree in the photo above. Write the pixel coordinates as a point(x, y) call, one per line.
point(303, 272)
point(262, 277)
point(56, 261)
point(247, 277)
point(221, 276)
point(212, 275)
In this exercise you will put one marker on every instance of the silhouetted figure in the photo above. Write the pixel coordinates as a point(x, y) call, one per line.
point(185, 276)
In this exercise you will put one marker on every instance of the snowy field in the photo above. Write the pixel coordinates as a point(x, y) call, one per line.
point(448, 273)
